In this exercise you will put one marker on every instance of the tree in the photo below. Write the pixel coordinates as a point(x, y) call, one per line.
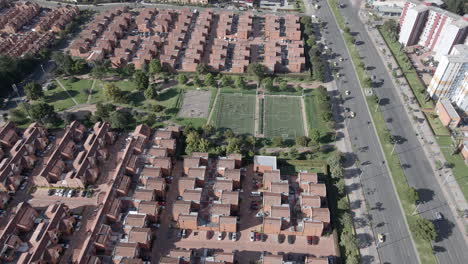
point(196, 81)
point(267, 84)
point(277, 141)
point(293, 153)
point(234, 145)
point(367, 82)
point(311, 41)
point(347, 30)
point(283, 86)
point(99, 70)
point(361, 64)
point(210, 80)
point(120, 119)
point(225, 81)
point(207, 130)
point(103, 111)
point(141, 80)
point(256, 70)
point(44, 113)
point(114, 93)
point(182, 79)
point(33, 91)
point(306, 20)
point(63, 61)
point(315, 135)
point(18, 116)
point(150, 93)
point(412, 195)
point(326, 116)
point(155, 66)
point(302, 141)
point(228, 133)
point(423, 229)
point(202, 68)
point(157, 108)
point(239, 82)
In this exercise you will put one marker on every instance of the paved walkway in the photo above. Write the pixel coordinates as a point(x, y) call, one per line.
point(65, 89)
point(91, 92)
point(218, 91)
point(446, 179)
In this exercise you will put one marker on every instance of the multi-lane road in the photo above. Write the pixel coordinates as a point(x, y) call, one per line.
point(387, 217)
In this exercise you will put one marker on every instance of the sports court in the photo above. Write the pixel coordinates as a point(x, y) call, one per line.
point(283, 117)
point(235, 111)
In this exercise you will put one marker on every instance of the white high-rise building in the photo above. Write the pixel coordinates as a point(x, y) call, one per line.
point(450, 79)
point(431, 27)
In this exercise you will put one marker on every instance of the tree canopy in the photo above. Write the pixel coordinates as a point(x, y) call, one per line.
point(155, 66)
point(141, 80)
point(257, 70)
point(33, 91)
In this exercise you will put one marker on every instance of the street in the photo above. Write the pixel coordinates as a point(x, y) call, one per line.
point(386, 213)
point(450, 245)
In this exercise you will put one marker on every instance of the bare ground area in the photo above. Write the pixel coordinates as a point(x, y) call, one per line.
point(196, 104)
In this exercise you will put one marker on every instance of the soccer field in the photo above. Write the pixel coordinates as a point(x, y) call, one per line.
point(235, 112)
point(283, 117)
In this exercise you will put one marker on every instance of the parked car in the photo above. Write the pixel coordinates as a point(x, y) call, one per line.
point(179, 198)
point(257, 236)
point(439, 216)
point(220, 236)
point(252, 236)
point(51, 192)
point(234, 236)
point(280, 238)
point(312, 240)
point(209, 234)
point(179, 234)
point(84, 193)
point(184, 233)
point(381, 237)
point(263, 237)
point(291, 239)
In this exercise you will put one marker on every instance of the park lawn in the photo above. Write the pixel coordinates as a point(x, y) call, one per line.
point(459, 167)
point(292, 167)
point(58, 98)
point(78, 89)
point(283, 117)
point(235, 112)
point(313, 112)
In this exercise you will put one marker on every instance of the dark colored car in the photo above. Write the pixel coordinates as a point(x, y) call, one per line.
point(312, 240)
point(257, 236)
point(291, 239)
point(209, 234)
point(281, 238)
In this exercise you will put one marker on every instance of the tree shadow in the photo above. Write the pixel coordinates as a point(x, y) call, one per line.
point(425, 195)
point(364, 240)
point(438, 249)
point(168, 94)
point(378, 206)
point(367, 259)
point(355, 204)
point(444, 229)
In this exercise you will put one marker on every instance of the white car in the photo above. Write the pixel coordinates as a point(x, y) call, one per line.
point(234, 236)
point(352, 114)
point(347, 92)
point(220, 236)
point(252, 236)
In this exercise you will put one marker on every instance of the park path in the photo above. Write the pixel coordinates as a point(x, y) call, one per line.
point(65, 89)
point(91, 91)
point(304, 117)
point(218, 91)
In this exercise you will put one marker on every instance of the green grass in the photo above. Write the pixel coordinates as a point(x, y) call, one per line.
point(291, 167)
point(424, 248)
point(235, 112)
point(416, 85)
point(440, 131)
point(313, 114)
point(61, 100)
point(457, 161)
point(283, 116)
point(261, 103)
point(58, 98)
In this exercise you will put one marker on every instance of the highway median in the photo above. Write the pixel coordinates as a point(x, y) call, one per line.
point(423, 246)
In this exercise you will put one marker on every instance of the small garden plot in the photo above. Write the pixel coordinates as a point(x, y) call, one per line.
point(236, 112)
point(283, 117)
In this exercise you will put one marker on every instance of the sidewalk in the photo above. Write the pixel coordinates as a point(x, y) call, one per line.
point(446, 180)
point(364, 234)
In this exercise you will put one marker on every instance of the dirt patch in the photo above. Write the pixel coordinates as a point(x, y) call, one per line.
point(195, 104)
